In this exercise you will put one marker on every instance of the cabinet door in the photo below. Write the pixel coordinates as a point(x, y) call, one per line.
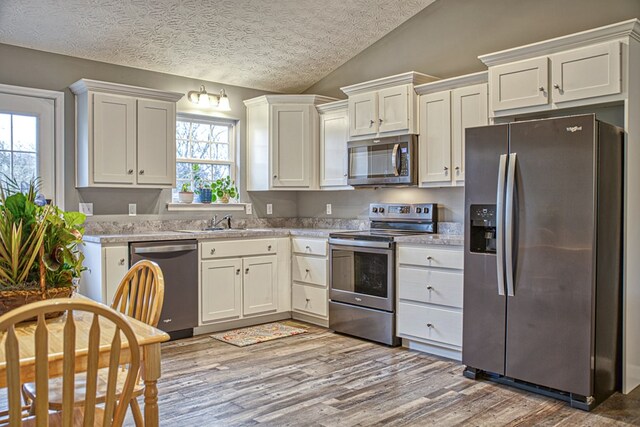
point(393, 109)
point(260, 290)
point(291, 145)
point(221, 289)
point(116, 265)
point(435, 138)
point(156, 142)
point(520, 84)
point(334, 133)
point(114, 139)
point(469, 109)
point(586, 72)
point(363, 114)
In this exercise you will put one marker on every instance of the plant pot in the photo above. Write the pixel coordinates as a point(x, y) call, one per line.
point(185, 197)
point(205, 195)
point(10, 299)
point(224, 199)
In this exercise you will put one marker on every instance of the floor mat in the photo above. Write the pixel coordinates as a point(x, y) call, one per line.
point(257, 334)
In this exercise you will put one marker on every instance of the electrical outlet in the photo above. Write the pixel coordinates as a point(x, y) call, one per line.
point(248, 209)
point(86, 208)
point(269, 209)
point(132, 209)
point(328, 208)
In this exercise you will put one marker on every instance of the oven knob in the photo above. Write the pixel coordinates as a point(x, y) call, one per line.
point(374, 210)
point(426, 210)
point(381, 210)
point(418, 210)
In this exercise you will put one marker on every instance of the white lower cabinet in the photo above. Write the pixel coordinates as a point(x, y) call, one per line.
point(260, 285)
point(430, 293)
point(106, 265)
point(221, 289)
point(309, 274)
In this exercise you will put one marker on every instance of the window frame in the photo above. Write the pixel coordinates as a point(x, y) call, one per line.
point(233, 152)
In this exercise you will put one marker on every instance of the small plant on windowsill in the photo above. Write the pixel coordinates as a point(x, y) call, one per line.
point(224, 189)
point(185, 195)
point(200, 185)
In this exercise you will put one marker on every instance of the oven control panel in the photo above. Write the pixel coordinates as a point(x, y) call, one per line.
point(402, 211)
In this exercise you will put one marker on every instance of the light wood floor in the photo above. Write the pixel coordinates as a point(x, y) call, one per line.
point(324, 379)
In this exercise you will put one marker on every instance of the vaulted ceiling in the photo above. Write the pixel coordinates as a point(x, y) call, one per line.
point(275, 45)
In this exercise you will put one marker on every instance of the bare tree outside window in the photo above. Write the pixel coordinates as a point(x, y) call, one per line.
point(18, 146)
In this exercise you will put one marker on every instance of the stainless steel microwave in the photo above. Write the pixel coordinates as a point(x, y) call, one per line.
point(381, 162)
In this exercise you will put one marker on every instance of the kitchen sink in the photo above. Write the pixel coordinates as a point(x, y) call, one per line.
point(211, 230)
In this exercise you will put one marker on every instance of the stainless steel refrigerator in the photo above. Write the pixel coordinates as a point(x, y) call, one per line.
point(543, 212)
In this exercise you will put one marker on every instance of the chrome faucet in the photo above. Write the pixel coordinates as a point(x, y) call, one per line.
point(215, 221)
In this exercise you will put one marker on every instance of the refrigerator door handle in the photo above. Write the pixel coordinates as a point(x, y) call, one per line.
point(509, 213)
point(500, 223)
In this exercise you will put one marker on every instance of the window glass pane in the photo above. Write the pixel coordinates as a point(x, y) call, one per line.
point(5, 131)
point(220, 134)
point(25, 166)
point(201, 132)
point(182, 130)
point(220, 171)
point(183, 170)
point(200, 150)
point(183, 148)
point(5, 163)
point(221, 152)
point(24, 133)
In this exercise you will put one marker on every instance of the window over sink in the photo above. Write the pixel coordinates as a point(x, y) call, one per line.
point(205, 150)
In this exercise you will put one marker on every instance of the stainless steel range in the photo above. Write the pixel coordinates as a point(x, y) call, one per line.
point(362, 283)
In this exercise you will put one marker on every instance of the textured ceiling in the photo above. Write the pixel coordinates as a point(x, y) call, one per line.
point(276, 45)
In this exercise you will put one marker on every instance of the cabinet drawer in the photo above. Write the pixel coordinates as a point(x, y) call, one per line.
point(235, 248)
point(432, 257)
point(430, 286)
point(434, 324)
point(309, 299)
point(309, 270)
point(309, 246)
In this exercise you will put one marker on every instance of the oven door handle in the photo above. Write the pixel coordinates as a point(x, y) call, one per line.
point(360, 243)
point(394, 159)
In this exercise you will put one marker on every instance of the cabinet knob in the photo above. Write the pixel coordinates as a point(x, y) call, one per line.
point(307, 248)
point(306, 270)
point(121, 262)
point(141, 171)
point(307, 299)
point(429, 325)
point(429, 258)
point(458, 168)
point(246, 271)
point(556, 86)
point(380, 121)
point(446, 168)
point(345, 175)
point(269, 248)
point(429, 287)
point(371, 122)
point(130, 171)
point(541, 88)
point(275, 176)
point(213, 251)
point(237, 272)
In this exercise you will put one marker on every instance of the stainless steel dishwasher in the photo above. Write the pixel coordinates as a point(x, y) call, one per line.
point(178, 260)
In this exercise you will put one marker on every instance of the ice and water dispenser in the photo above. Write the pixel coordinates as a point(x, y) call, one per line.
point(483, 229)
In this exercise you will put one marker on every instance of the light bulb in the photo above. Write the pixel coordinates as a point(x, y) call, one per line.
point(223, 102)
point(203, 99)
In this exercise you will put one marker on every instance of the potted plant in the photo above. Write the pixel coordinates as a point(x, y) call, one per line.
point(199, 184)
point(224, 189)
point(39, 255)
point(185, 195)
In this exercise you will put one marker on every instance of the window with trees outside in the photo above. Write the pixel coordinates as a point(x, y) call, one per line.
point(205, 151)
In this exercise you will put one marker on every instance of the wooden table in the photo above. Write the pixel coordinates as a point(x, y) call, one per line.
point(149, 339)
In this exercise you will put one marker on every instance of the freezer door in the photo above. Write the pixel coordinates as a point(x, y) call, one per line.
point(550, 315)
point(483, 336)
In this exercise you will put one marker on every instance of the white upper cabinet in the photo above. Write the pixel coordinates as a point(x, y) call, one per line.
point(547, 75)
point(384, 107)
point(447, 108)
point(282, 142)
point(125, 135)
point(334, 134)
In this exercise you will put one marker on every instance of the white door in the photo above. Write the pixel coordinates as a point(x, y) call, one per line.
point(363, 114)
point(585, 73)
point(393, 109)
point(114, 139)
point(156, 142)
point(221, 291)
point(27, 140)
point(291, 145)
point(469, 109)
point(116, 265)
point(435, 138)
point(260, 287)
point(520, 84)
point(334, 133)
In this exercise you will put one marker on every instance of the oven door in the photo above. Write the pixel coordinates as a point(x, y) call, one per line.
point(384, 161)
point(362, 275)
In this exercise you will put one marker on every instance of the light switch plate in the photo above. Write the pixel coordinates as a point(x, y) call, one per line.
point(269, 209)
point(86, 208)
point(328, 208)
point(248, 209)
point(132, 209)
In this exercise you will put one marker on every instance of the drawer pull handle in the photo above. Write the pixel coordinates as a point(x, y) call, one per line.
point(121, 262)
point(246, 271)
point(269, 248)
point(213, 251)
point(237, 272)
point(430, 325)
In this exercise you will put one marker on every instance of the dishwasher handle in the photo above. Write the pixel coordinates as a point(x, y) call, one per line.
point(164, 249)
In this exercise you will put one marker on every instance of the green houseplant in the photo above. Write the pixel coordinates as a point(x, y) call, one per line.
point(224, 189)
point(185, 195)
point(39, 255)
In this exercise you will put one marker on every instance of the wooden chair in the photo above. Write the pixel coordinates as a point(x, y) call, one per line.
point(140, 295)
point(107, 326)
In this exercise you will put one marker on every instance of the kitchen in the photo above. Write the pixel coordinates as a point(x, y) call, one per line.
point(348, 209)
